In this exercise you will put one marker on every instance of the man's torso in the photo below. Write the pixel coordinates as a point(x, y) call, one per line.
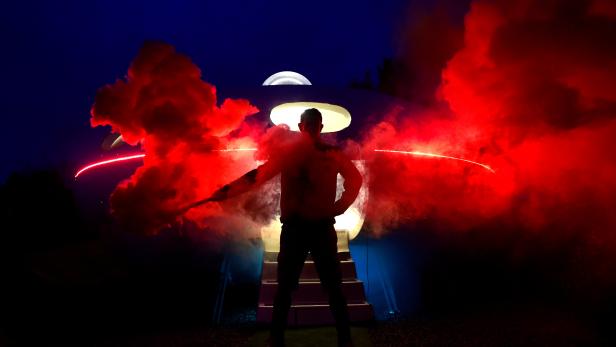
point(308, 183)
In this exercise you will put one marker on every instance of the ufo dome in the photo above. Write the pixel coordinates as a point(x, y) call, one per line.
point(286, 78)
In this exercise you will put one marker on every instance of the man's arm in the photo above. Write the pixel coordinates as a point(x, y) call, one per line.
point(248, 181)
point(352, 183)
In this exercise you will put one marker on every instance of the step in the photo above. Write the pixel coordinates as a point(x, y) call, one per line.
point(273, 256)
point(309, 272)
point(272, 242)
point(312, 293)
point(316, 314)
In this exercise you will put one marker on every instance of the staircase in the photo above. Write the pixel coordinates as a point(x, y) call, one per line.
point(309, 304)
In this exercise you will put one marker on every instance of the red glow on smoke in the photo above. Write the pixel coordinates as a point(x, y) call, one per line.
point(529, 89)
point(108, 162)
point(525, 86)
point(165, 107)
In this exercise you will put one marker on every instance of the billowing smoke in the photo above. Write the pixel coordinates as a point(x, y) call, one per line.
point(164, 106)
point(531, 92)
point(526, 87)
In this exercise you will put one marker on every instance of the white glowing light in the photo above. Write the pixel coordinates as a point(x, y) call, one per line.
point(270, 234)
point(286, 78)
point(112, 141)
point(350, 221)
point(335, 118)
point(117, 141)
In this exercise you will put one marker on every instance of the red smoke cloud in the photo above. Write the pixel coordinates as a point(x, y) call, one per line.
point(164, 106)
point(531, 92)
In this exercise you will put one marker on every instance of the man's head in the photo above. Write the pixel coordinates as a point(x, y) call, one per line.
point(311, 123)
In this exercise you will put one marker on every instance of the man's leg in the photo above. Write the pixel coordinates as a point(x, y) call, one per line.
point(293, 251)
point(324, 251)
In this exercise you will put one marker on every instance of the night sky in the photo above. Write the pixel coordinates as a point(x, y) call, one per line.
point(57, 54)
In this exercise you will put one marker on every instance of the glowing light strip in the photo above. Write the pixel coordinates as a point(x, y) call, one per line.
point(110, 161)
point(432, 155)
point(236, 150)
point(138, 156)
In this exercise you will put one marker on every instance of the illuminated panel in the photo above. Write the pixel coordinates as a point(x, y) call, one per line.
point(335, 118)
point(108, 162)
point(432, 155)
point(286, 78)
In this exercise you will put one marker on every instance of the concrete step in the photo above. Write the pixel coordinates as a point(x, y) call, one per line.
point(272, 242)
point(309, 272)
point(300, 315)
point(312, 293)
point(273, 256)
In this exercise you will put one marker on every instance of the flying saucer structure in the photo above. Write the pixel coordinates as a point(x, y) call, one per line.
point(281, 99)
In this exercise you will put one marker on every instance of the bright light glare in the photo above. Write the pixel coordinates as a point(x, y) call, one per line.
point(335, 118)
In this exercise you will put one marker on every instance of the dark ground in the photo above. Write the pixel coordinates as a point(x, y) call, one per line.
point(91, 294)
point(69, 281)
point(487, 329)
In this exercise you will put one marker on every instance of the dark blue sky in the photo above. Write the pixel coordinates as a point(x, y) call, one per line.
point(55, 54)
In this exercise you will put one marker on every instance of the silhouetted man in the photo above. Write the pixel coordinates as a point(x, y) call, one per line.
point(309, 169)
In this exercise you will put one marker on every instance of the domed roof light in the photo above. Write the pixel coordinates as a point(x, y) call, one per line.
point(286, 78)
